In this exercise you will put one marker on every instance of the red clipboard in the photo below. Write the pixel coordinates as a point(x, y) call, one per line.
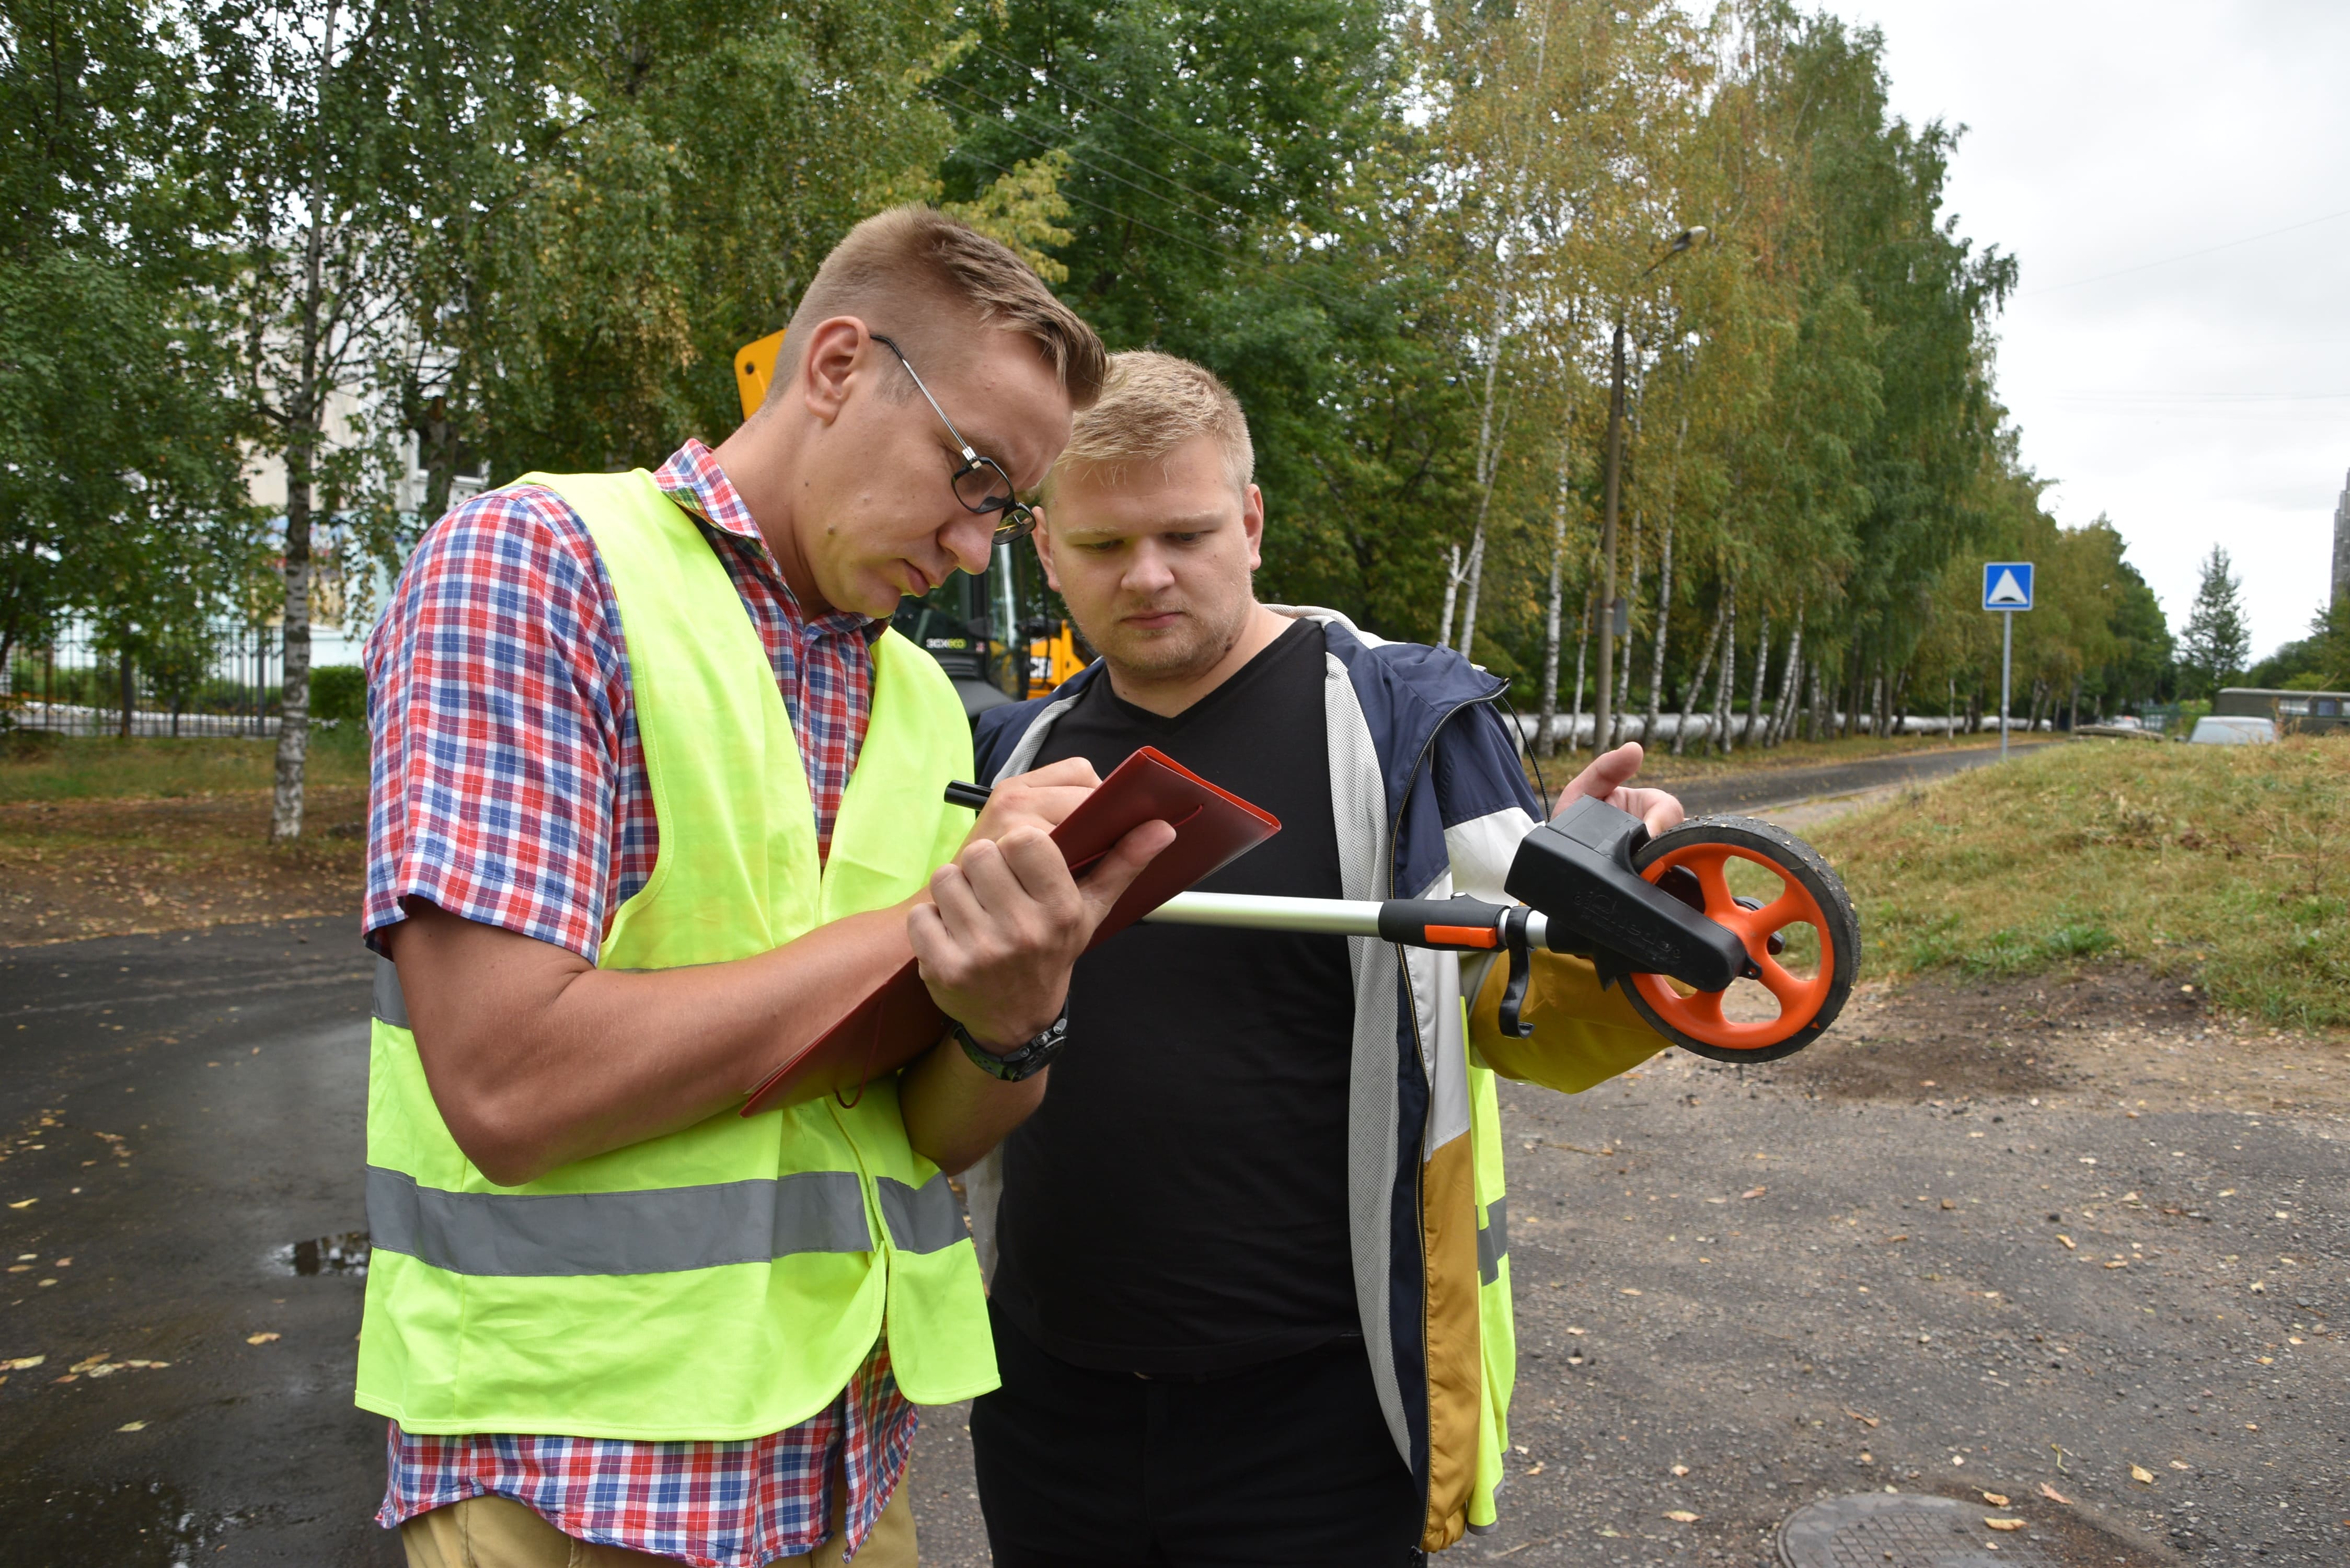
point(894, 1024)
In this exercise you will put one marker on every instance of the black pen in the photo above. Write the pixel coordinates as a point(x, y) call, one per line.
point(970, 795)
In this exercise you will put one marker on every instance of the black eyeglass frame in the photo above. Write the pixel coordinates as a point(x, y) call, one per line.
point(1019, 521)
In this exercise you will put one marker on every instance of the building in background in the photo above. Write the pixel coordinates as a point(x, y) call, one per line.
point(2342, 543)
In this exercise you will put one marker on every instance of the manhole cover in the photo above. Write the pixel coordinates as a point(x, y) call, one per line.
point(1896, 1530)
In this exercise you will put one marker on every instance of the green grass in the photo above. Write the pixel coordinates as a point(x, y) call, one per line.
point(48, 767)
point(2223, 866)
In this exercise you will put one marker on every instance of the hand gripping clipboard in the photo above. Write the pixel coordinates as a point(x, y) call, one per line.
point(898, 1022)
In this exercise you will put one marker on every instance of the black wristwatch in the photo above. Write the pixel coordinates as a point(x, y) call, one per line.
point(1022, 1062)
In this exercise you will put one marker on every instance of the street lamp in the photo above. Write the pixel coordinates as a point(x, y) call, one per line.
point(1603, 715)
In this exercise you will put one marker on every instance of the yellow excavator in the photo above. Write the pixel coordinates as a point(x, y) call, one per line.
point(956, 621)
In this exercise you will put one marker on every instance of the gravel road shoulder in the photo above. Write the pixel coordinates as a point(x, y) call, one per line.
point(1984, 1238)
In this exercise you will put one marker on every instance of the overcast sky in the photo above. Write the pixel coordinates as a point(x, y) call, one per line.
point(2199, 403)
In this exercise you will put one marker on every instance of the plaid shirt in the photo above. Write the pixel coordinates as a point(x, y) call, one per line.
point(509, 787)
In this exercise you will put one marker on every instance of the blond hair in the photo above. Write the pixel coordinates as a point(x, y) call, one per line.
point(912, 273)
point(1150, 404)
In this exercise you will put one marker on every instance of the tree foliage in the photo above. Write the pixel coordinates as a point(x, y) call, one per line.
point(2217, 642)
point(1410, 238)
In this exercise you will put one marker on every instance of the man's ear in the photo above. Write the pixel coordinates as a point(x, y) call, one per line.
point(1043, 540)
point(1252, 525)
point(822, 378)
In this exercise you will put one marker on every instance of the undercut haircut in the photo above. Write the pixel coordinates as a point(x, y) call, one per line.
point(1150, 404)
point(915, 274)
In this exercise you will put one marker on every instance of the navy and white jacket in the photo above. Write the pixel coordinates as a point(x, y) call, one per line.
point(1430, 800)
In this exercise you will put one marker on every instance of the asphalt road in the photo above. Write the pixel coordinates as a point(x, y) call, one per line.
point(178, 1112)
point(1760, 788)
point(1890, 1300)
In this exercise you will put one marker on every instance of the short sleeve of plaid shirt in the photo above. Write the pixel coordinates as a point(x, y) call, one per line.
point(497, 692)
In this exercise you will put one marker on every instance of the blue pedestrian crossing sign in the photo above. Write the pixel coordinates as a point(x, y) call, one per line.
point(2007, 585)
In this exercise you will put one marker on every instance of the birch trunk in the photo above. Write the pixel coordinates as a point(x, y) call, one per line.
point(1475, 570)
point(1724, 687)
point(1697, 682)
point(1664, 590)
point(1451, 588)
point(1782, 711)
point(1545, 733)
point(1582, 652)
point(1751, 730)
point(1621, 726)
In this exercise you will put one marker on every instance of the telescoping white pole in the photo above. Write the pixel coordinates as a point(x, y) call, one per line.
point(2006, 673)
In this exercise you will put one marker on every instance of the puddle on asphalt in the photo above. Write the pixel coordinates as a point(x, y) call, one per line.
point(343, 1254)
point(130, 1523)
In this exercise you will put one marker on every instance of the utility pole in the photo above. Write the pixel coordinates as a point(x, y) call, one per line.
point(1604, 717)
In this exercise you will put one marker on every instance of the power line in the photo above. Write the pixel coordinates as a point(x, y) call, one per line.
point(1040, 74)
point(1265, 266)
point(1034, 139)
point(2189, 255)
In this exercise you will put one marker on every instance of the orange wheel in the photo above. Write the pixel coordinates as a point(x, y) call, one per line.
point(1809, 894)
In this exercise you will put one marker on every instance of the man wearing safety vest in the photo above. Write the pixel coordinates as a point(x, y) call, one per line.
point(654, 787)
point(1251, 1273)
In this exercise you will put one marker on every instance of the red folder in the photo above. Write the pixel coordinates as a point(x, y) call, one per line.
point(894, 1024)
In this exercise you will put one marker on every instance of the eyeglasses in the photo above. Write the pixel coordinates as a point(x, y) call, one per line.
point(981, 483)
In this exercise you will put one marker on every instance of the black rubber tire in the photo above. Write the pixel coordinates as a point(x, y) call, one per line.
point(1799, 861)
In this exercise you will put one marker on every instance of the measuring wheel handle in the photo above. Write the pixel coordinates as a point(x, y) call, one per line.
point(1692, 863)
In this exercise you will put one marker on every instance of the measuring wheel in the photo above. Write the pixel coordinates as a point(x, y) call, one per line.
point(1809, 894)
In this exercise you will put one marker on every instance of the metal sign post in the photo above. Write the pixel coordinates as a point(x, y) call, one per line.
point(2007, 588)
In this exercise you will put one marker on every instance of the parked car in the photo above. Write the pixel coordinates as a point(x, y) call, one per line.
point(2229, 729)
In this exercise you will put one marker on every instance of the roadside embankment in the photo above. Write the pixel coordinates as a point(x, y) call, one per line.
point(2218, 867)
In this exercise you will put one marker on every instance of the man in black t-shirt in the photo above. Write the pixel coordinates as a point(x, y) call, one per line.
point(1250, 1283)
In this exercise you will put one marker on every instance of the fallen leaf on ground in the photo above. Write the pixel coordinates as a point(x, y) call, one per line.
point(1890, 1240)
point(1629, 1291)
point(2005, 1523)
point(2119, 1263)
point(131, 1426)
point(2052, 1495)
point(2070, 1244)
point(2140, 1473)
point(27, 1203)
point(1755, 1192)
point(1864, 1421)
point(1993, 1498)
point(22, 1362)
point(260, 1338)
point(1680, 1516)
point(87, 1362)
point(2180, 1465)
point(1680, 1469)
point(1535, 1471)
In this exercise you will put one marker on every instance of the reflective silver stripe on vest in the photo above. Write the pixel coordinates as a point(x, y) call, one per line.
point(389, 1004)
point(922, 1219)
point(661, 1231)
point(1493, 1241)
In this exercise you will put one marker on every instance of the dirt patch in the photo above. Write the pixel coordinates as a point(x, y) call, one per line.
point(2120, 1035)
point(75, 868)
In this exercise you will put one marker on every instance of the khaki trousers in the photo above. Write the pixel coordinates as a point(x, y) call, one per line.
point(499, 1532)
